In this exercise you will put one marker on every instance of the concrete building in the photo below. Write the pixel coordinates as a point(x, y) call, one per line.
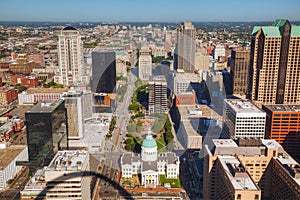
point(122, 58)
point(46, 131)
point(9, 157)
point(103, 72)
point(184, 57)
point(239, 68)
point(218, 52)
point(150, 164)
point(65, 176)
point(78, 104)
point(243, 119)
point(145, 64)
point(274, 72)
point(202, 61)
point(157, 101)
point(249, 169)
point(187, 82)
point(283, 125)
point(188, 121)
point(213, 89)
point(71, 71)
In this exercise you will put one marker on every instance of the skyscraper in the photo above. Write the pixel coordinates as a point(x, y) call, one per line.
point(274, 72)
point(46, 131)
point(70, 58)
point(239, 66)
point(145, 64)
point(185, 47)
point(157, 95)
point(103, 72)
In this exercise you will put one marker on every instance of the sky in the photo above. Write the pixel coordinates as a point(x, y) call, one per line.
point(149, 10)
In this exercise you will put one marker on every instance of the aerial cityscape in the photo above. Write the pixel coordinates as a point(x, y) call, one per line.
point(150, 100)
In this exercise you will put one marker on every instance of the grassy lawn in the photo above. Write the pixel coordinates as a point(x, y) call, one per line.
point(174, 182)
point(161, 144)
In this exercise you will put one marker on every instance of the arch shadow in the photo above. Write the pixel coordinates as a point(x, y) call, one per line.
point(61, 179)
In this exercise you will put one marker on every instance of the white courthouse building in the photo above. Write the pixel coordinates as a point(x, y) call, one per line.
point(150, 164)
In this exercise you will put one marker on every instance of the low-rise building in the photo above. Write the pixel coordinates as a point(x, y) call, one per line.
point(9, 157)
point(26, 81)
point(7, 95)
point(150, 164)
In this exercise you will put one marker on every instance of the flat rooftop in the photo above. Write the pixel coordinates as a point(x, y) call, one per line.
point(45, 106)
point(283, 108)
point(237, 174)
point(197, 111)
point(224, 143)
point(47, 90)
point(8, 154)
point(68, 161)
point(190, 130)
point(242, 106)
point(36, 182)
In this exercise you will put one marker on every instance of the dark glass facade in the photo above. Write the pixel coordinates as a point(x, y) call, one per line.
point(104, 72)
point(46, 132)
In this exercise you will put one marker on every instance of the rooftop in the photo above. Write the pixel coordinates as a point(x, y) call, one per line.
point(237, 174)
point(190, 130)
point(224, 143)
point(45, 106)
point(242, 106)
point(37, 182)
point(8, 154)
point(282, 107)
point(46, 90)
point(275, 29)
point(68, 161)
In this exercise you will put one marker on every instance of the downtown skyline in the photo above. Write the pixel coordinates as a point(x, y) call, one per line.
point(155, 11)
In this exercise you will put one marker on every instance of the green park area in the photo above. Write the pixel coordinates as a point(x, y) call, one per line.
point(174, 182)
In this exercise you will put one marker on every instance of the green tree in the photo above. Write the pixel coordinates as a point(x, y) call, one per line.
point(21, 88)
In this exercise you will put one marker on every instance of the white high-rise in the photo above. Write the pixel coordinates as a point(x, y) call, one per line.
point(243, 119)
point(145, 64)
point(71, 70)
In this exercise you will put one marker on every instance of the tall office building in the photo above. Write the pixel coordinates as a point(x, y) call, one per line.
point(274, 71)
point(283, 125)
point(103, 72)
point(145, 64)
point(46, 131)
point(70, 58)
point(79, 107)
point(243, 119)
point(185, 47)
point(239, 67)
point(249, 169)
point(157, 102)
